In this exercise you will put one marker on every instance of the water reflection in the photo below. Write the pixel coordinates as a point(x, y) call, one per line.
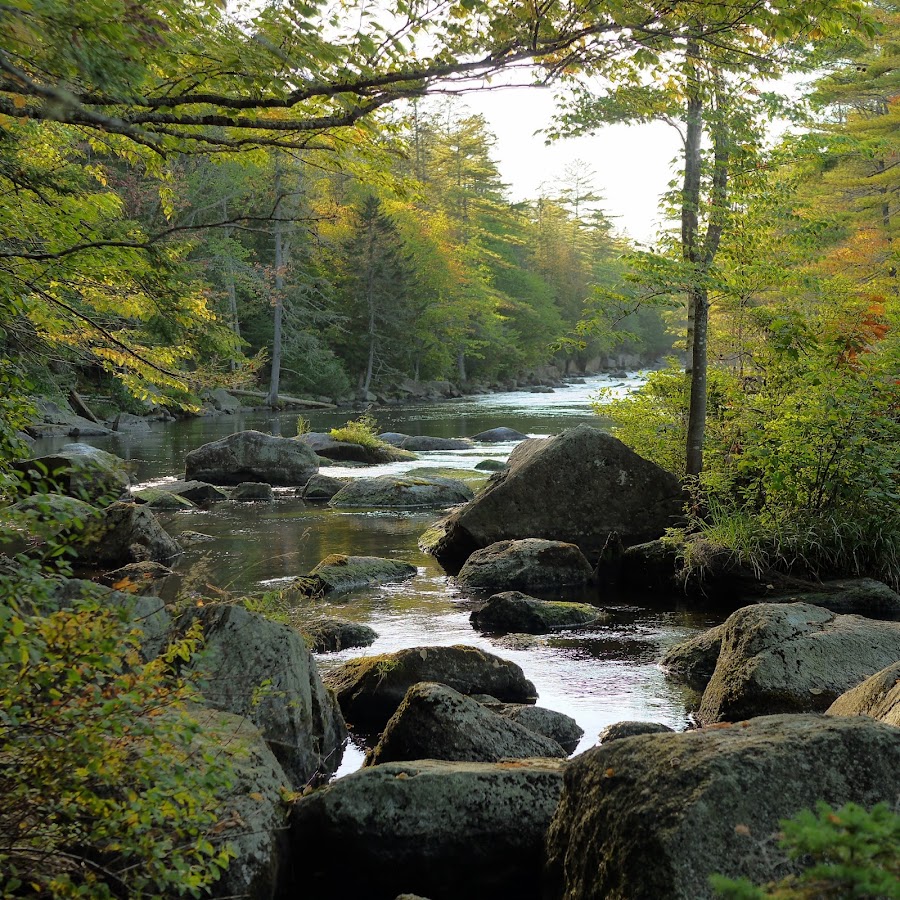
point(599, 676)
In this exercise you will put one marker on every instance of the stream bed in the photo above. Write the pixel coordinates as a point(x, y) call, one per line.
point(600, 675)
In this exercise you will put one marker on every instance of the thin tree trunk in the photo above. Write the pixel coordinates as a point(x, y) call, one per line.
point(690, 192)
point(272, 398)
point(461, 364)
point(370, 303)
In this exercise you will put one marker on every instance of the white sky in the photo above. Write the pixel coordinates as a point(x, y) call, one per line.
point(633, 163)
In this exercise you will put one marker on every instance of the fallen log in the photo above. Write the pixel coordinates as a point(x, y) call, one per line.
point(283, 400)
point(80, 407)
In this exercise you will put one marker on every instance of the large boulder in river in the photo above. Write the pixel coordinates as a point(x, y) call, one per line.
point(652, 817)
point(254, 667)
point(424, 442)
point(436, 722)
point(580, 486)
point(196, 491)
point(513, 611)
point(126, 533)
point(499, 435)
point(848, 595)
point(371, 688)
point(443, 830)
point(878, 697)
point(252, 456)
point(345, 451)
point(549, 722)
point(530, 564)
point(402, 491)
point(793, 657)
point(337, 574)
point(78, 470)
point(321, 488)
point(158, 498)
point(620, 730)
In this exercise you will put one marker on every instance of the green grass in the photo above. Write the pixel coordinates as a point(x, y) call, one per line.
point(362, 431)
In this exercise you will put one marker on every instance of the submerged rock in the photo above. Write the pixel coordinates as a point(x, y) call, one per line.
point(254, 667)
point(435, 722)
point(250, 491)
point(878, 697)
point(252, 456)
point(652, 817)
point(619, 730)
point(512, 611)
point(444, 830)
point(793, 657)
point(579, 487)
point(371, 688)
point(331, 635)
point(530, 564)
point(402, 491)
point(499, 435)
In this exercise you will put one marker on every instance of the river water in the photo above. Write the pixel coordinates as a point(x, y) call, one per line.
point(599, 676)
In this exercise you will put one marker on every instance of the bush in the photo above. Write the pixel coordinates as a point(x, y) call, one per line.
point(362, 431)
point(846, 853)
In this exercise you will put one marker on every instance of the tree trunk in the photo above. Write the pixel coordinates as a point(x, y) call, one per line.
point(696, 428)
point(461, 364)
point(690, 192)
point(275, 377)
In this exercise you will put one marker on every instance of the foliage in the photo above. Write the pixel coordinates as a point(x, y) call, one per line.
point(303, 425)
point(849, 852)
point(362, 431)
point(103, 791)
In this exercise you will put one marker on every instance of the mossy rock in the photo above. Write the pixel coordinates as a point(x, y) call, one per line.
point(157, 498)
point(403, 492)
point(513, 611)
point(473, 478)
point(338, 574)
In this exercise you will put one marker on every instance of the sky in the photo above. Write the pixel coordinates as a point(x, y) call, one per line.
point(633, 163)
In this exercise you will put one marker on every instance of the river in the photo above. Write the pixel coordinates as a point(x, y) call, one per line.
point(599, 676)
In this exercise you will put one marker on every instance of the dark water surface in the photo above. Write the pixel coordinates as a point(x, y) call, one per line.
point(599, 676)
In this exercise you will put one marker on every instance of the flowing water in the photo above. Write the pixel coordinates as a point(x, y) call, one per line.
point(599, 676)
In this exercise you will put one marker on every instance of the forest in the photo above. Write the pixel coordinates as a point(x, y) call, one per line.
point(292, 198)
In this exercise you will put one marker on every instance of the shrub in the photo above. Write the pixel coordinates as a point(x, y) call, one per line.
point(850, 852)
point(362, 431)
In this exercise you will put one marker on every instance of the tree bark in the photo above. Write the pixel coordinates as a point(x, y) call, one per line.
point(275, 377)
point(690, 192)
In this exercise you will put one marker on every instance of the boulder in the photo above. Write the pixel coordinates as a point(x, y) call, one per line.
point(499, 435)
point(394, 438)
point(59, 422)
point(128, 423)
point(78, 470)
point(321, 488)
point(436, 722)
point(252, 813)
point(331, 635)
point(224, 402)
point(515, 612)
point(343, 451)
point(337, 574)
point(652, 817)
point(580, 487)
point(158, 498)
point(552, 724)
point(444, 830)
point(490, 465)
point(693, 661)
point(403, 491)
point(793, 657)
point(252, 456)
point(848, 595)
point(198, 492)
point(127, 533)
point(249, 491)
point(878, 697)
point(254, 667)
point(619, 730)
point(371, 688)
point(529, 564)
point(422, 442)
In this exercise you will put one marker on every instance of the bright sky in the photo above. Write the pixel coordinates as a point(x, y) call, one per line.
point(633, 164)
